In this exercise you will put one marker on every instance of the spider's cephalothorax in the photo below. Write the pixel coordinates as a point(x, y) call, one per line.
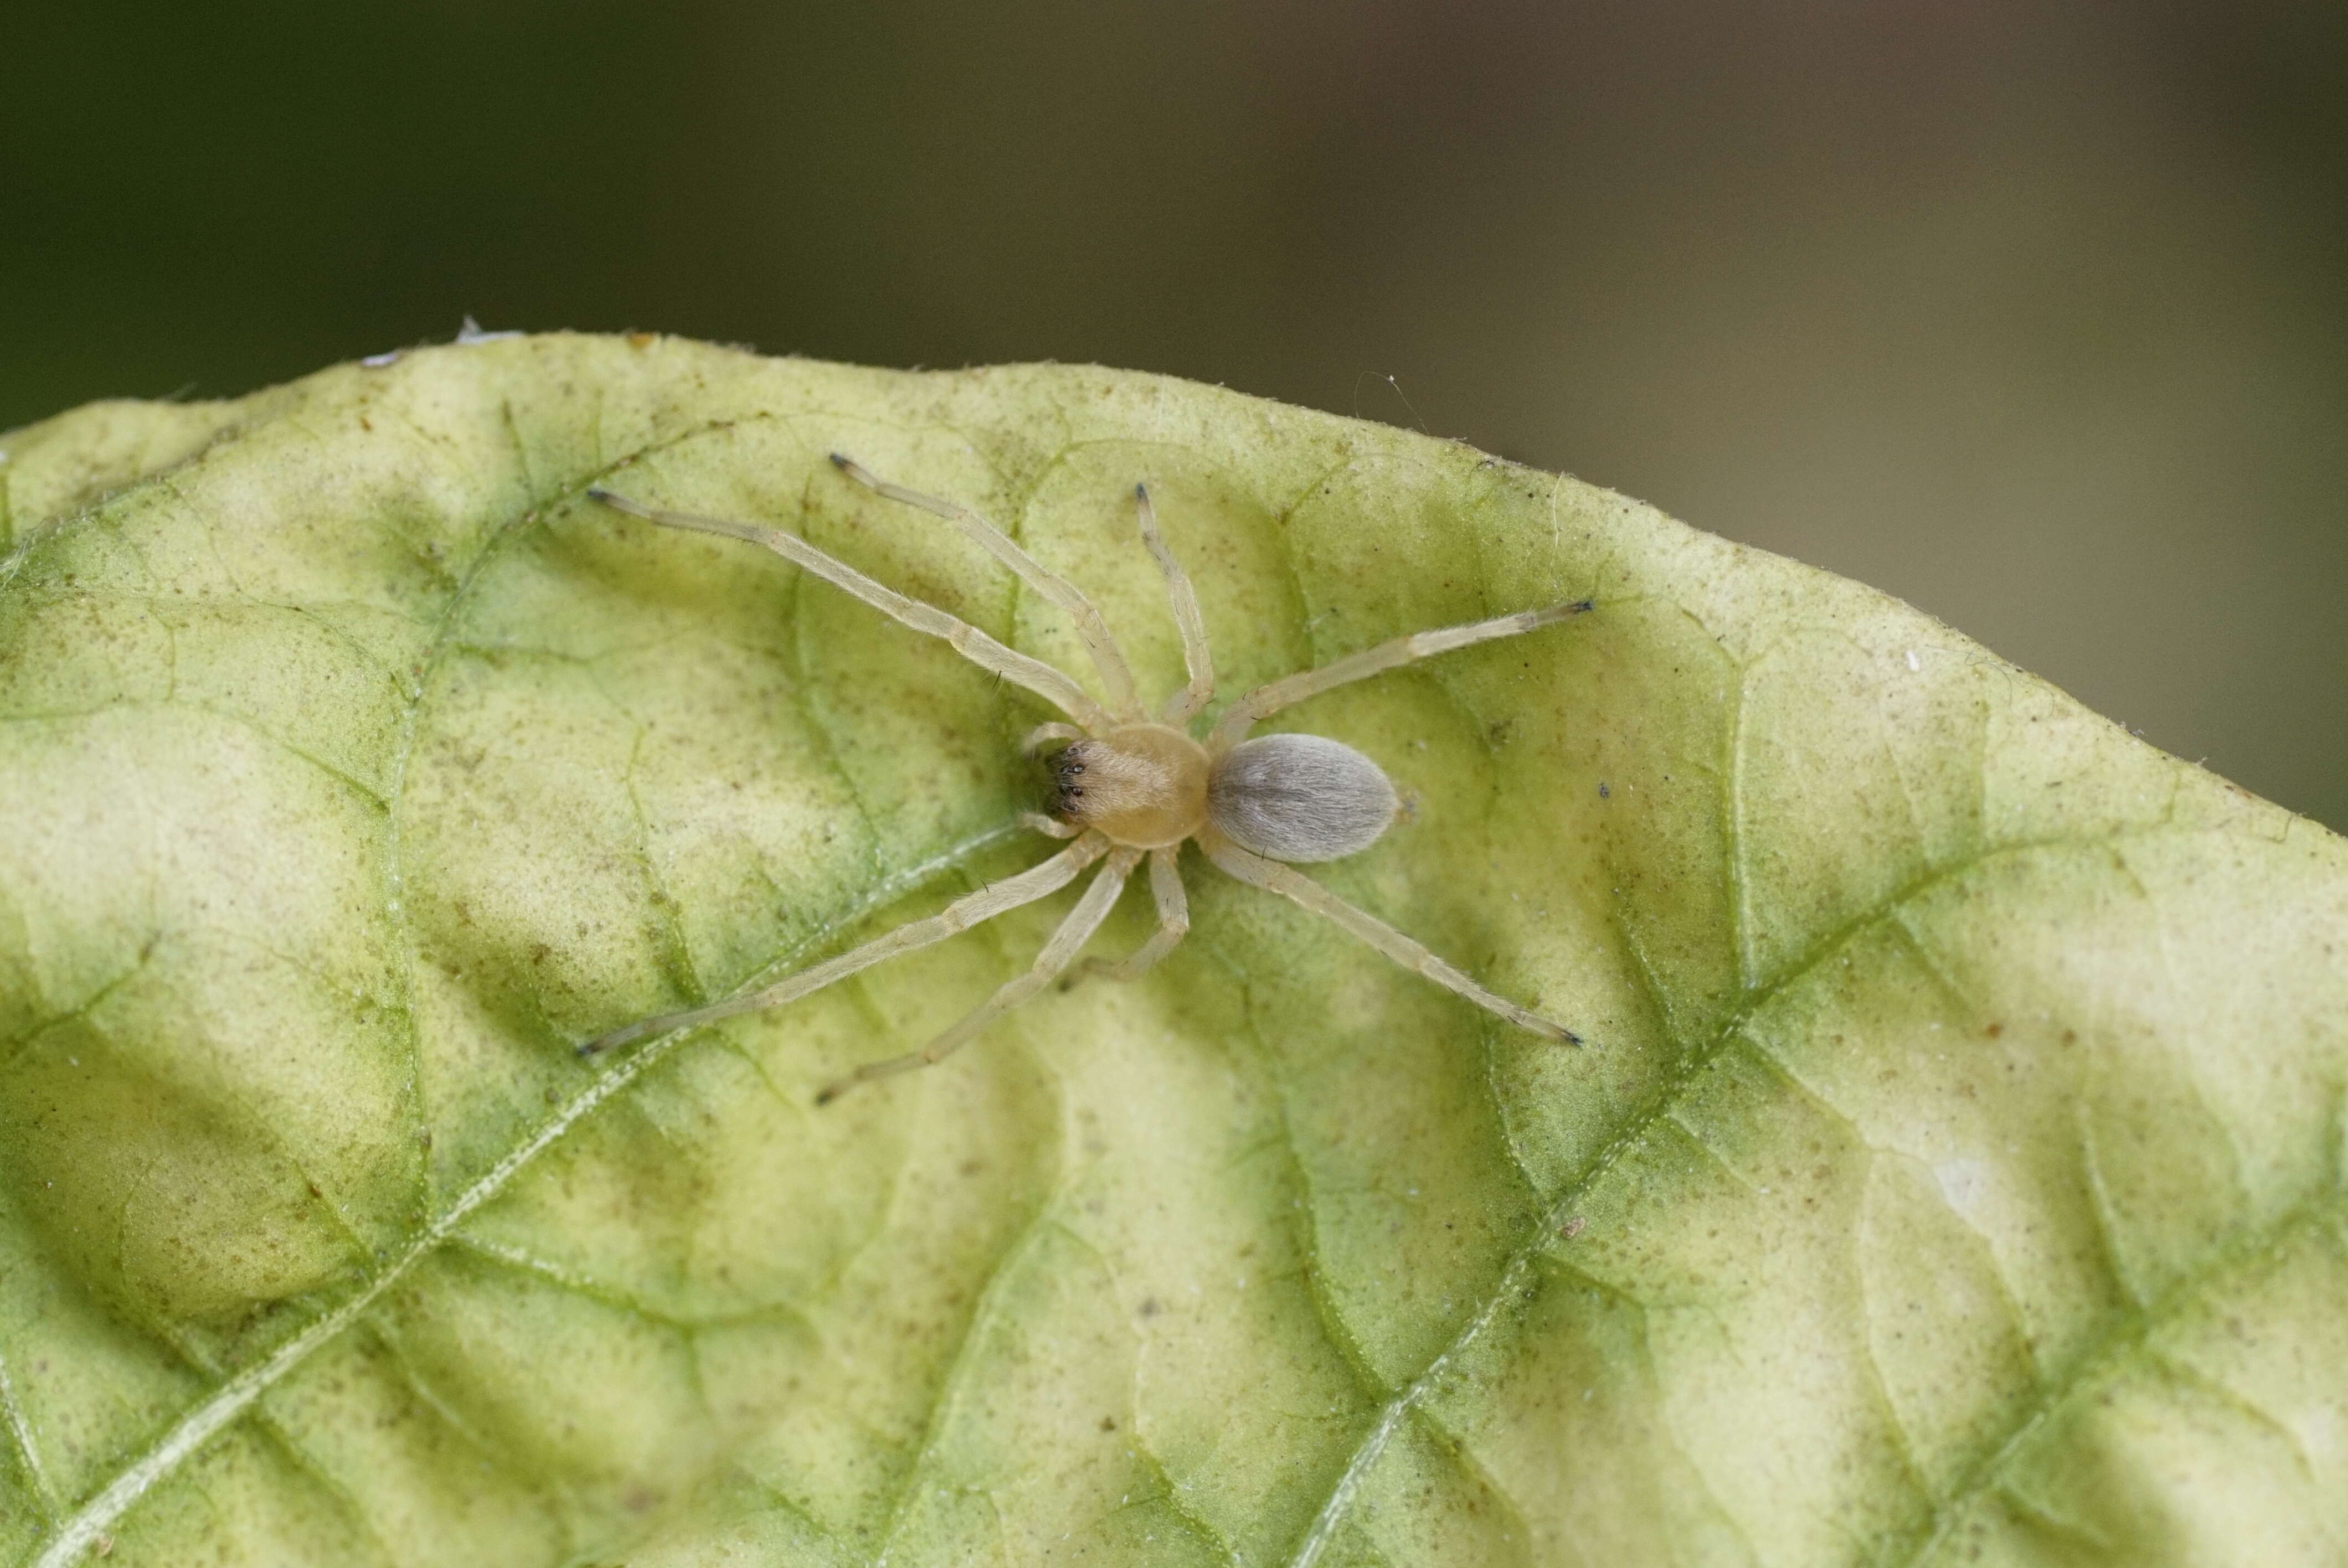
point(1127, 784)
point(1142, 784)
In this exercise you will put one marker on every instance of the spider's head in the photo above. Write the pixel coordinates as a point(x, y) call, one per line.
point(1092, 781)
point(1143, 785)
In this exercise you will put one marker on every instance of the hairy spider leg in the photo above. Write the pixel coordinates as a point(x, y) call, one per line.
point(1035, 882)
point(1058, 953)
point(1275, 877)
point(1173, 919)
point(1183, 706)
point(966, 639)
point(1107, 657)
point(1272, 696)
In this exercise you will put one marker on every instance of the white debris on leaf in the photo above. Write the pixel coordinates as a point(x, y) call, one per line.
point(472, 332)
point(1964, 1184)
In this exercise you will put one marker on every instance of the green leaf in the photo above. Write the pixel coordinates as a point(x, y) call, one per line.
point(1955, 1173)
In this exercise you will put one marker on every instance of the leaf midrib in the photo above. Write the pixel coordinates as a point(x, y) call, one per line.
point(1513, 1277)
point(199, 1425)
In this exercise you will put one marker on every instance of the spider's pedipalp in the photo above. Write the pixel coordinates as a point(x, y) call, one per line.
point(1107, 657)
point(1272, 696)
point(966, 639)
point(1058, 953)
point(1272, 876)
point(1035, 882)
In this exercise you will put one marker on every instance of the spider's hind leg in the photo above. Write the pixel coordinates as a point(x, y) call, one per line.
point(1272, 696)
point(1415, 955)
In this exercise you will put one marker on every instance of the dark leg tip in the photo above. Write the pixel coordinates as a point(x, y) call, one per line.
point(597, 493)
point(825, 1096)
point(838, 459)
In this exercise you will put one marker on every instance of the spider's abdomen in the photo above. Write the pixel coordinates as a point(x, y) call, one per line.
point(1299, 797)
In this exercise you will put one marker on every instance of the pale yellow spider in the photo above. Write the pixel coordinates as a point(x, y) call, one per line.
point(1124, 785)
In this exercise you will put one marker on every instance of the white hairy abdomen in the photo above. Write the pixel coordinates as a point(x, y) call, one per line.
point(1299, 797)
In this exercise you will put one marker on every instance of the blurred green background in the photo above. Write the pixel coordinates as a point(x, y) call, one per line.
point(2035, 315)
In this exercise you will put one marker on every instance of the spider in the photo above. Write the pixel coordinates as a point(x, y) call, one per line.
point(1124, 783)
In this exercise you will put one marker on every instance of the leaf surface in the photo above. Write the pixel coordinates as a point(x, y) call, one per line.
point(1955, 1173)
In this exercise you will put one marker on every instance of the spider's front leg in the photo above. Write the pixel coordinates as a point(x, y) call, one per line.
point(1091, 630)
point(1058, 953)
point(1183, 599)
point(971, 909)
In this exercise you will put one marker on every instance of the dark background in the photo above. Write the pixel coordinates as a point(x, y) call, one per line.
point(2033, 314)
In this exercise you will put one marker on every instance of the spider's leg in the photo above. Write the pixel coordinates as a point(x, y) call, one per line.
point(965, 639)
point(1184, 600)
point(1074, 932)
point(1173, 918)
point(1043, 735)
point(1107, 657)
point(1050, 826)
point(1270, 698)
point(959, 916)
point(1274, 876)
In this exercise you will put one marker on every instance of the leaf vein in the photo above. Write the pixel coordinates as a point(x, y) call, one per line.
point(1660, 1106)
point(2129, 1331)
point(198, 1425)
